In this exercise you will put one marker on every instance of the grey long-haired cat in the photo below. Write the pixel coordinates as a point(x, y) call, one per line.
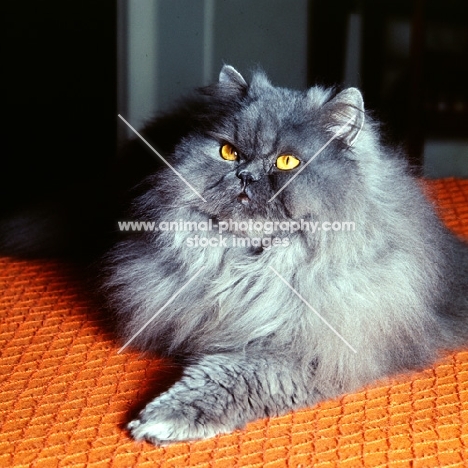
point(281, 321)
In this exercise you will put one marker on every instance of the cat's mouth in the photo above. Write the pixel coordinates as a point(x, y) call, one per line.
point(243, 198)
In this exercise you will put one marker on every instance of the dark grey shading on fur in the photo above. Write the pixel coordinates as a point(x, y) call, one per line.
point(394, 288)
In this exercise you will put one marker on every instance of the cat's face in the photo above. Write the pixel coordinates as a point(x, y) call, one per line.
point(253, 164)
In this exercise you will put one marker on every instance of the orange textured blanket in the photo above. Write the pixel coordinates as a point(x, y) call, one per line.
point(66, 393)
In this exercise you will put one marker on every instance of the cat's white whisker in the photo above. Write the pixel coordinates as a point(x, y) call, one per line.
point(312, 309)
point(336, 135)
point(164, 160)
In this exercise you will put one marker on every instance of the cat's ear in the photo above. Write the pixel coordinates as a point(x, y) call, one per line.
point(231, 77)
point(344, 115)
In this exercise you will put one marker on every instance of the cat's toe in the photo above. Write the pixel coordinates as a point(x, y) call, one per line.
point(158, 433)
point(175, 428)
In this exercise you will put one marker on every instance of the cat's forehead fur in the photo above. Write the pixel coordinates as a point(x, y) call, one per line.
point(269, 114)
point(281, 104)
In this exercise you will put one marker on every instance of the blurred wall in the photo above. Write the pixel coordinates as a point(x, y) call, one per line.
point(168, 47)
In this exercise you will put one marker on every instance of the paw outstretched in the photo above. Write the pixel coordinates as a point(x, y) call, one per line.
point(160, 424)
point(220, 394)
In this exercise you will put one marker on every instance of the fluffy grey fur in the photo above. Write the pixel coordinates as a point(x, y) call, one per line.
point(394, 288)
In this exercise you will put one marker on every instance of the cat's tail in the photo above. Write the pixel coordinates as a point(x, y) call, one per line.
point(32, 232)
point(67, 226)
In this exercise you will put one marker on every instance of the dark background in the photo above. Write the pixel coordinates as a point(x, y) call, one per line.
point(417, 89)
point(59, 68)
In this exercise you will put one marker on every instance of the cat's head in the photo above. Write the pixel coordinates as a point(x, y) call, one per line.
point(272, 153)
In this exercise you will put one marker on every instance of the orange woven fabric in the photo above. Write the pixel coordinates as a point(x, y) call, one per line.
point(66, 393)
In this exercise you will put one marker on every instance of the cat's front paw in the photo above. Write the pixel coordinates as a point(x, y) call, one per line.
point(160, 424)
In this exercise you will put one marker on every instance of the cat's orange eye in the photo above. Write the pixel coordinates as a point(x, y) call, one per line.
point(286, 162)
point(228, 152)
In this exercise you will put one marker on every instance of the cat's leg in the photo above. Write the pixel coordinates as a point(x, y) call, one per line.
point(222, 393)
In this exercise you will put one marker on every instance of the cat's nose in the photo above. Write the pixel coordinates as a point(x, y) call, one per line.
point(246, 177)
